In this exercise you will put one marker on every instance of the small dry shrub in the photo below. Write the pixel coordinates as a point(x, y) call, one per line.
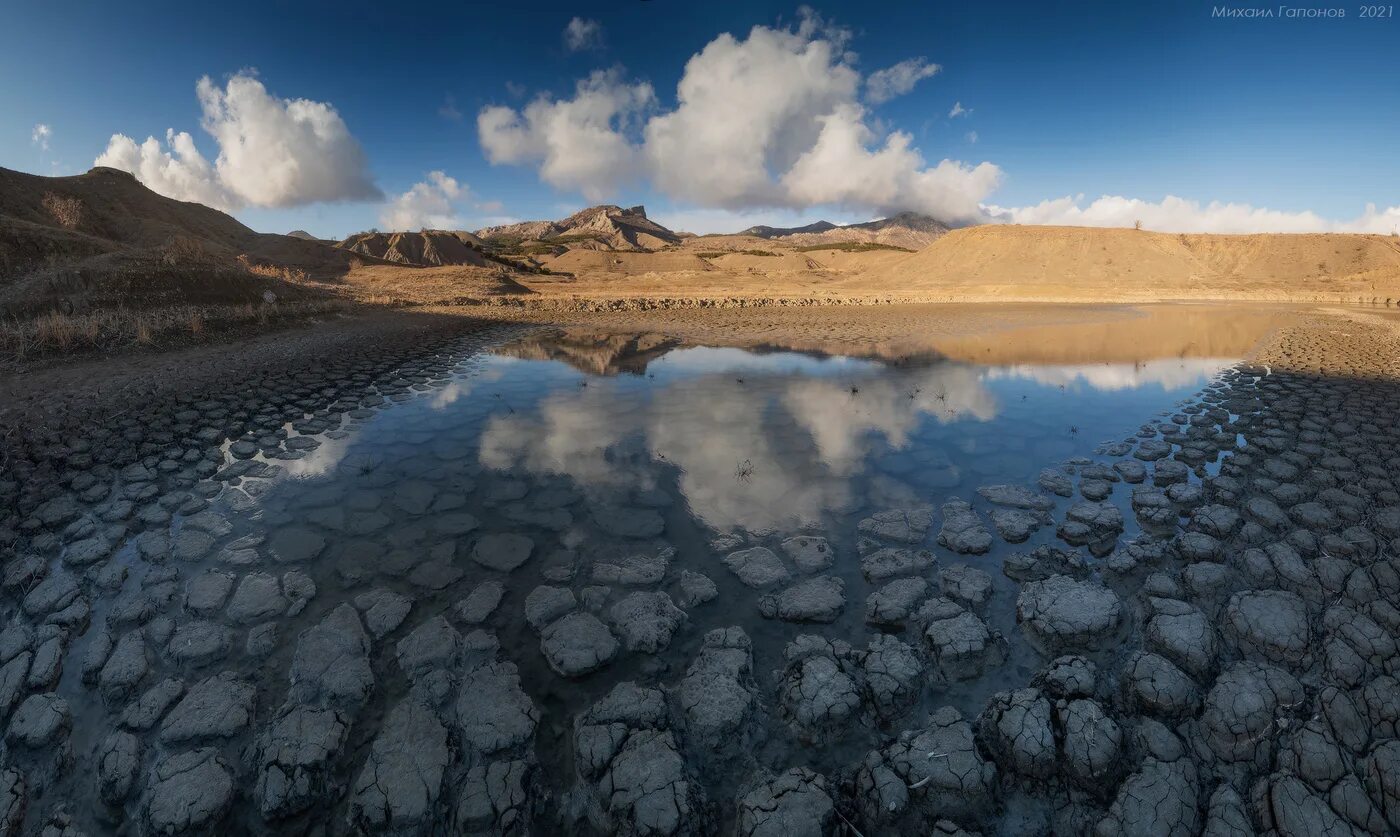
point(67, 212)
point(183, 250)
point(272, 271)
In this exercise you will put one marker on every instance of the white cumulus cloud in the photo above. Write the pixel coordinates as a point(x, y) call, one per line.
point(841, 169)
point(429, 204)
point(40, 136)
point(273, 152)
point(579, 144)
point(772, 120)
point(175, 169)
point(958, 110)
point(583, 34)
point(886, 84)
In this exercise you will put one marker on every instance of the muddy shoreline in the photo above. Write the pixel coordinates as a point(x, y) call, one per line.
point(1232, 667)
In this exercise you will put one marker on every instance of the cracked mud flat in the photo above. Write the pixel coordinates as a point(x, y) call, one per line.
point(449, 591)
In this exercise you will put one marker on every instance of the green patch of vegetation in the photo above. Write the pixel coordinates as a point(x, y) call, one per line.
point(852, 247)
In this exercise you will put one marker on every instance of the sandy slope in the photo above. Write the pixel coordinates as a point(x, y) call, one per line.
point(997, 263)
point(1076, 263)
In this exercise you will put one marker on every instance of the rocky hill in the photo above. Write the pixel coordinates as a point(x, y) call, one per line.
point(605, 227)
point(764, 231)
point(102, 238)
point(429, 248)
point(907, 230)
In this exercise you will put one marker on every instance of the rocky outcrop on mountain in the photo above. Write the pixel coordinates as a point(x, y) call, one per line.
point(604, 227)
point(908, 230)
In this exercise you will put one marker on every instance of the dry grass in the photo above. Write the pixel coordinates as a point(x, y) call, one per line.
point(67, 212)
point(56, 333)
point(273, 271)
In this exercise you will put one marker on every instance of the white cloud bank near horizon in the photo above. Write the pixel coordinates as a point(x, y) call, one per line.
point(1179, 215)
point(273, 152)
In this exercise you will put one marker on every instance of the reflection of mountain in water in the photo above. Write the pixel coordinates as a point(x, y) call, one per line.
point(597, 353)
point(613, 353)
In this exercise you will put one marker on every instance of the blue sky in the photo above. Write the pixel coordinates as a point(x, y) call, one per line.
point(1138, 101)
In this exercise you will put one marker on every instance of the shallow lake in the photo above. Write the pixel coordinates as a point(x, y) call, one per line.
point(588, 509)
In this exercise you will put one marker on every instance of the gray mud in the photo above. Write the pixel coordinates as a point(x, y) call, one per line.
point(222, 616)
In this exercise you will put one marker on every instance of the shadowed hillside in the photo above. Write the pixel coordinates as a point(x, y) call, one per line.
point(102, 239)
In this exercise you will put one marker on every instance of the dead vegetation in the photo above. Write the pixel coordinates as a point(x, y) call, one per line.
point(67, 212)
point(117, 329)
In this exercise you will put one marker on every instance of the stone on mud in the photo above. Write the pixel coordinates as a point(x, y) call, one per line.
point(906, 526)
point(384, 610)
point(1016, 525)
point(1152, 684)
point(1015, 728)
point(294, 759)
point(189, 792)
point(717, 694)
point(1161, 798)
point(118, 764)
point(904, 781)
point(821, 693)
point(758, 567)
point(502, 552)
point(1092, 742)
point(696, 589)
point(577, 643)
point(795, 803)
point(810, 553)
point(1061, 614)
point(893, 604)
point(217, 707)
point(40, 721)
point(1016, 497)
point(961, 643)
point(968, 586)
point(397, 789)
point(258, 597)
point(1245, 710)
point(432, 646)
point(330, 667)
point(125, 668)
point(634, 770)
point(962, 530)
point(492, 710)
point(480, 603)
point(883, 564)
point(295, 544)
point(634, 570)
point(894, 675)
point(646, 620)
point(1268, 626)
point(819, 599)
point(546, 603)
point(1184, 635)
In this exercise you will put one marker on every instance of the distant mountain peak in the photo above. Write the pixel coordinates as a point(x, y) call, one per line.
point(909, 230)
point(608, 227)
